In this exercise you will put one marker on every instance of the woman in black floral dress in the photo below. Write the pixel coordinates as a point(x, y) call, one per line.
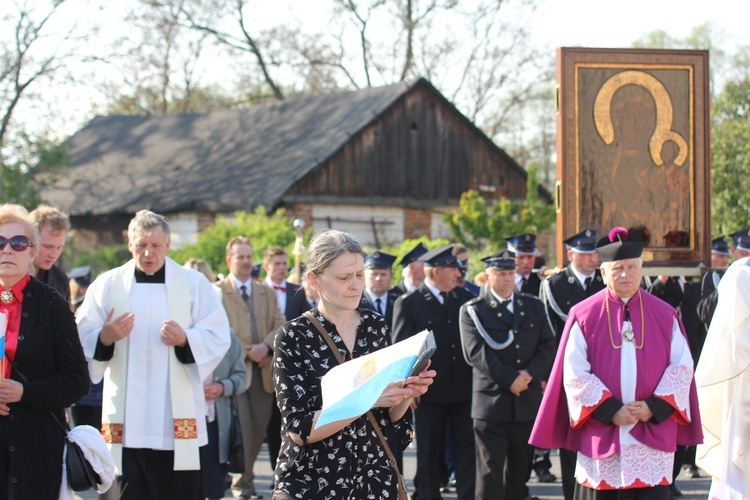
point(343, 459)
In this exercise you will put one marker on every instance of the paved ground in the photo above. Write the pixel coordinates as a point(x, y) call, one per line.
point(692, 489)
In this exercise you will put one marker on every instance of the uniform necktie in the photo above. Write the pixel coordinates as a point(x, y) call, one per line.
point(444, 295)
point(587, 283)
point(521, 284)
point(379, 305)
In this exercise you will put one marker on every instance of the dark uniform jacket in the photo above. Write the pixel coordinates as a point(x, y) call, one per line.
point(296, 302)
point(687, 304)
point(495, 370)
point(532, 285)
point(709, 296)
point(420, 310)
point(562, 291)
point(390, 298)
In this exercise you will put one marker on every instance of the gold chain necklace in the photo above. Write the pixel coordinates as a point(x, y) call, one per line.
point(628, 335)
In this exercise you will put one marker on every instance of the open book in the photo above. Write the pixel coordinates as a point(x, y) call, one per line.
point(351, 388)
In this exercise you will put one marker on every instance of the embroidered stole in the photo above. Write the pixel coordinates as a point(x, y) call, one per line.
point(186, 455)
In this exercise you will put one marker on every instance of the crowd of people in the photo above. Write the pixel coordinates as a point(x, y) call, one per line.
point(179, 367)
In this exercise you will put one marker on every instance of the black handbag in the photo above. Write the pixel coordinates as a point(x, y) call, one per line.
point(236, 452)
point(81, 476)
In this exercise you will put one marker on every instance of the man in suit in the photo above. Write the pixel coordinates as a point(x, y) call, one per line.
point(293, 302)
point(508, 341)
point(53, 226)
point(290, 297)
point(435, 306)
point(579, 280)
point(378, 275)
point(413, 269)
point(254, 315)
point(524, 248)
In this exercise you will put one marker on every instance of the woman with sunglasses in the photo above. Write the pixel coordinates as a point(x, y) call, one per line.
point(43, 369)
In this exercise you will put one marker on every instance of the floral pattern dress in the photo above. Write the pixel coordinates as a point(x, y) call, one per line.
point(351, 463)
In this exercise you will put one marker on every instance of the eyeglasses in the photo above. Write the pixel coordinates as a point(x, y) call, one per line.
point(18, 243)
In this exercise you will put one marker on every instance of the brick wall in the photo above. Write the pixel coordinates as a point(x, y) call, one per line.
point(417, 222)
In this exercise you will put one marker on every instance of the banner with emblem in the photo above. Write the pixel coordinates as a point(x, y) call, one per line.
point(351, 388)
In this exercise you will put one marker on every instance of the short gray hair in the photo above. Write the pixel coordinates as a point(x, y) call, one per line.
point(326, 246)
point(145, 220)
point(608, 265)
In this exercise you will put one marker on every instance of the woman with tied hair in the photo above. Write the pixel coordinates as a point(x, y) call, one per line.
point(343, 459)
point(44, 369)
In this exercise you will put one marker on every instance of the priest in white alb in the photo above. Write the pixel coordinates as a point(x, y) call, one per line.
point(621, 393)
point(153, 331)
point(723, 379)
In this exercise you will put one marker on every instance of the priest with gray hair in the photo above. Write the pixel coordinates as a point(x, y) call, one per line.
point(154, 331)
point(621, 393)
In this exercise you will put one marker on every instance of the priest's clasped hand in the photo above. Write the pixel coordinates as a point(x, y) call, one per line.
point(117, 329)
point(173, 334)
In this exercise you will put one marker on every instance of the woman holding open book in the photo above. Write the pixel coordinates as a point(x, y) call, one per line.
point(346, 458)
point(43, 368)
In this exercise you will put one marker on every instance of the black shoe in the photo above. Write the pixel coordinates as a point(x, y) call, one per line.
point(546, 476)
point(692, 472)
point(674, 491)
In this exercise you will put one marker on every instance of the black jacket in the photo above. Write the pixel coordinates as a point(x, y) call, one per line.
point(495, 370)
point(57, 279)
point(560, 292)
point(50, 356)
point(687, 304)
point(390, 297)
point(532, 285)
point(420, 310)
point(296, 301)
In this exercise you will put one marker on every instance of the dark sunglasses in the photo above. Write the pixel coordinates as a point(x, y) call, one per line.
point(18, 243)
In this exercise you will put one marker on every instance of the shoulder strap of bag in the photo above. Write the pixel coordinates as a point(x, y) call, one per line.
point(370, 416)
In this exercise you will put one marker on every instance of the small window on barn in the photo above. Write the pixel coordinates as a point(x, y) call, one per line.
point(413, 127)
point(500, 181)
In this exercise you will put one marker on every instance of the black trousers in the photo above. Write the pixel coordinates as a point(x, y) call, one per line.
point(214, 472)
point(431, 419)
point(503, 459)
point(273, 434)
point(653, 493)
point(568, 472)
point(150, 475)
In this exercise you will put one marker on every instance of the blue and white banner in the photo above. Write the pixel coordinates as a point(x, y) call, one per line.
point(351, 388)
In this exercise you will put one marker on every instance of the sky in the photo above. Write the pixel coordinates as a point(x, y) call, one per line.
point(610, 24)
point(556, 23)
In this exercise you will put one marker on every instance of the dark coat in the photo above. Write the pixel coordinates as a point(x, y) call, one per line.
point(495, 370)
point(687, 304)
point(57, 279)
point(296, 301)
point(532, 285)
point(420, 310)
point(709, 297)
point(562, 291)
point(390, 296)
point(50, 356)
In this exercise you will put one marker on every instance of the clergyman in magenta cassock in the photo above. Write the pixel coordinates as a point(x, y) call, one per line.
point(621, 393)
